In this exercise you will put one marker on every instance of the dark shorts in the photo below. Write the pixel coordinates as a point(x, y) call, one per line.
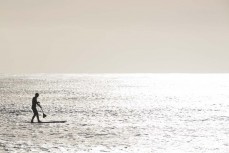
point(35, 111)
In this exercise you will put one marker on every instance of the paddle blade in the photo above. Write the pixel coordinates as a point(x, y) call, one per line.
point(44, 115)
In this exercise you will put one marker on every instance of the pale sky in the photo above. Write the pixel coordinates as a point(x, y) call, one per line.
point(114, 36)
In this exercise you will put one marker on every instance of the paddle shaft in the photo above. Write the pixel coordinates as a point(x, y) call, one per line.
point(42, 110)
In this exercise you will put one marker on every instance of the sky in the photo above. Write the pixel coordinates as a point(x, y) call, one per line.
point(114, 36)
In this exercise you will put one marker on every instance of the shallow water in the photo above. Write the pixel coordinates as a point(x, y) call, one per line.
point(118, 113)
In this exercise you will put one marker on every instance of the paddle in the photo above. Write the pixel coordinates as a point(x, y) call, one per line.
point(44, 115)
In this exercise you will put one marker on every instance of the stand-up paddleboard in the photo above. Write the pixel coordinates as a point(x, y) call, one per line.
point(51, 122)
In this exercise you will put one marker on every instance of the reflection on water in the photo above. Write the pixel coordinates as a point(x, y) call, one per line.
point(116, 113)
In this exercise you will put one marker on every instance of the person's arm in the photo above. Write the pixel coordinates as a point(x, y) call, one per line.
point(38, 103)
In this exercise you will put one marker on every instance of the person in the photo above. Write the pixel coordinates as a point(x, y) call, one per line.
point(34, 104)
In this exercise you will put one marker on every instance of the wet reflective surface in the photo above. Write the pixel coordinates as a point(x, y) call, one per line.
point(116, 113)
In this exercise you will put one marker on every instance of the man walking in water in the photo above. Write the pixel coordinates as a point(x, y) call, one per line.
point(35, 112)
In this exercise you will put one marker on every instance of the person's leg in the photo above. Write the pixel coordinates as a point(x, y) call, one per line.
point(33, 118)
point(36, 114)
point(38, 118)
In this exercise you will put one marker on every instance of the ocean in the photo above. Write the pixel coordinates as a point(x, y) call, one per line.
point(117, 113)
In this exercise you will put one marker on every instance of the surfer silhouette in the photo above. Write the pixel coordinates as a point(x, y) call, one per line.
point(34, 104)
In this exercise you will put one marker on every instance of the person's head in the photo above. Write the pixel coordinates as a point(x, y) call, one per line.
point(37, 95)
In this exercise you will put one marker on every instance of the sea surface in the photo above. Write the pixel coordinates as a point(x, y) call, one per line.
point(117, 113)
